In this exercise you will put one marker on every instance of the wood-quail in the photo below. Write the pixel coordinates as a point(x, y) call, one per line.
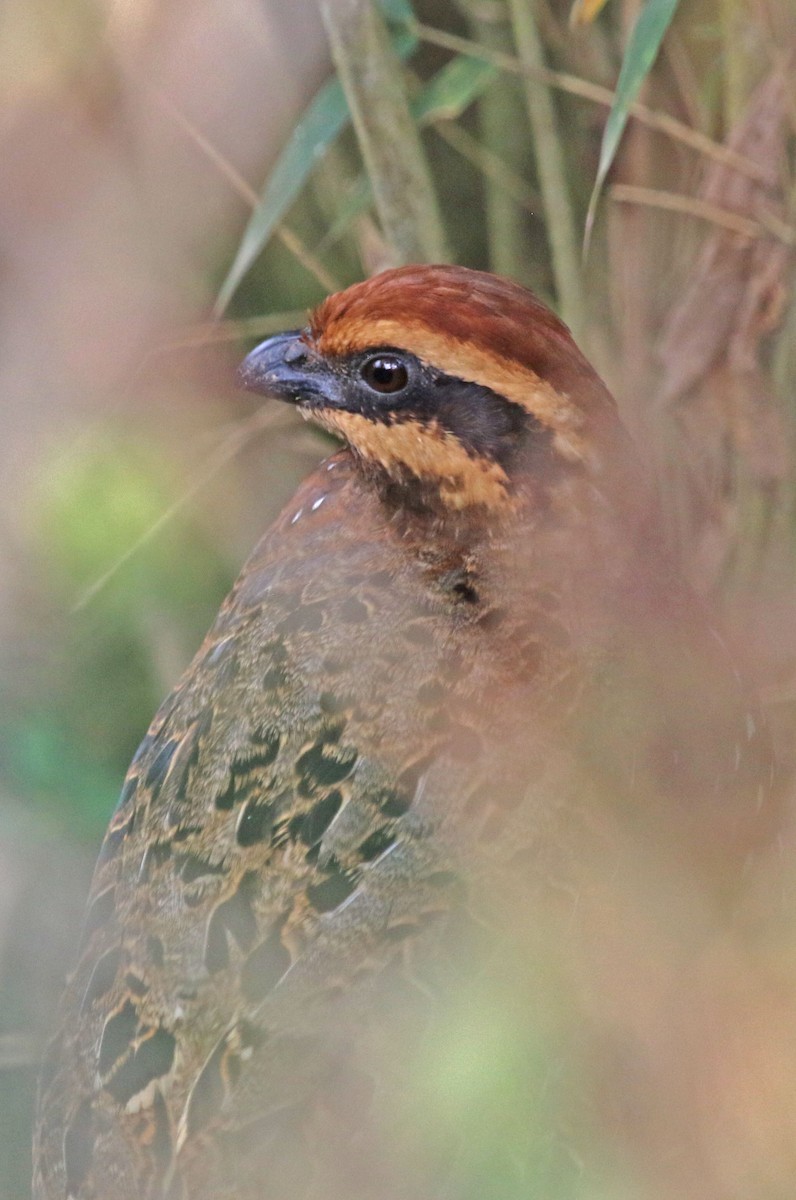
point(462, 634)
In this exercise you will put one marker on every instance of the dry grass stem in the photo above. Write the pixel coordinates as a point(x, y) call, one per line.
point(243, 188)
point(231, 445)
point(596, 94)
point(210, 333)
point(692, 206)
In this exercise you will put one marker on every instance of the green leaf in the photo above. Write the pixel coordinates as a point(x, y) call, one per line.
point(358, 200)
point(642, 50)
point(320, 124)
point(399, 12)
point(453, 89)
point(443, 98)
point(322, 121)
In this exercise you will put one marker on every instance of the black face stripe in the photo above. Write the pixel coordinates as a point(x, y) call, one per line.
point(485, 423)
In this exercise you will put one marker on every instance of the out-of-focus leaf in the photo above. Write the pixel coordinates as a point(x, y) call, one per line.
point(453, 89)
point(387, 136)
point(642, 50)
point(66, 739)
point(398, 11)
point(321, 123)
point(443, 98)
point(359, 198)
point(583, 12)
point(58, 775)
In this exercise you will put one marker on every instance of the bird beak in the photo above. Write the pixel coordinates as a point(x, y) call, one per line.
point(286, 368)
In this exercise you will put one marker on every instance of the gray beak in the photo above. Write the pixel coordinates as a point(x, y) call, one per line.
point(286, 368)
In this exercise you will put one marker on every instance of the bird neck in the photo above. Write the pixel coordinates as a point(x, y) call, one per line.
point(424, 518)
point(563, 523)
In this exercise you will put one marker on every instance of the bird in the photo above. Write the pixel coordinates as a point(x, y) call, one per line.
point(463, 637)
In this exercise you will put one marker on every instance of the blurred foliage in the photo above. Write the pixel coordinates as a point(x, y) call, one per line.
point(642, 49)
point(75, 703)
point(118, 649)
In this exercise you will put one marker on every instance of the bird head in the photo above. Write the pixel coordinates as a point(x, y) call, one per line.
point(449, 381)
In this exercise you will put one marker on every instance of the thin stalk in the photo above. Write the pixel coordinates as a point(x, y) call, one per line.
point(388, 137)
point(333, 181)
point(692, 206)
point(224, 452)
point(594, 93)
point(735, 59)
point(502, 128)
point(287, 236)
point(501, 177)
point(630, 264)
point(556, 199)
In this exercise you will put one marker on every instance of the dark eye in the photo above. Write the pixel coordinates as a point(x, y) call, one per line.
point(385, 373)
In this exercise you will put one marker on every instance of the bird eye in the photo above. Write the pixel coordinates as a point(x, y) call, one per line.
point(385, 373)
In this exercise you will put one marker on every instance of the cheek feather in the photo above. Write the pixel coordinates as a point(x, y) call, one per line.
point(429, 452)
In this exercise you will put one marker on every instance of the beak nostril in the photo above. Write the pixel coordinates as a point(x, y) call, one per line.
point(295, 354)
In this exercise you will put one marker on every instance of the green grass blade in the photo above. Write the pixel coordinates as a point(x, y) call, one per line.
point(397, 12)
point(642, 50)
point(554, 185)
point(387, 135)
point(453, 89)
point(443, 98)
point(321, 123)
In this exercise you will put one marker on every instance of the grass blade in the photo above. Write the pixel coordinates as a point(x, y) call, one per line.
point(388, 137)
point(453, 89)
point(642, 50)
point(550, 166)
point(443, 98)
point(323, 120)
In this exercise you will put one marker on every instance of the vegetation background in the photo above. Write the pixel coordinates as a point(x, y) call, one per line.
point(140, 256)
